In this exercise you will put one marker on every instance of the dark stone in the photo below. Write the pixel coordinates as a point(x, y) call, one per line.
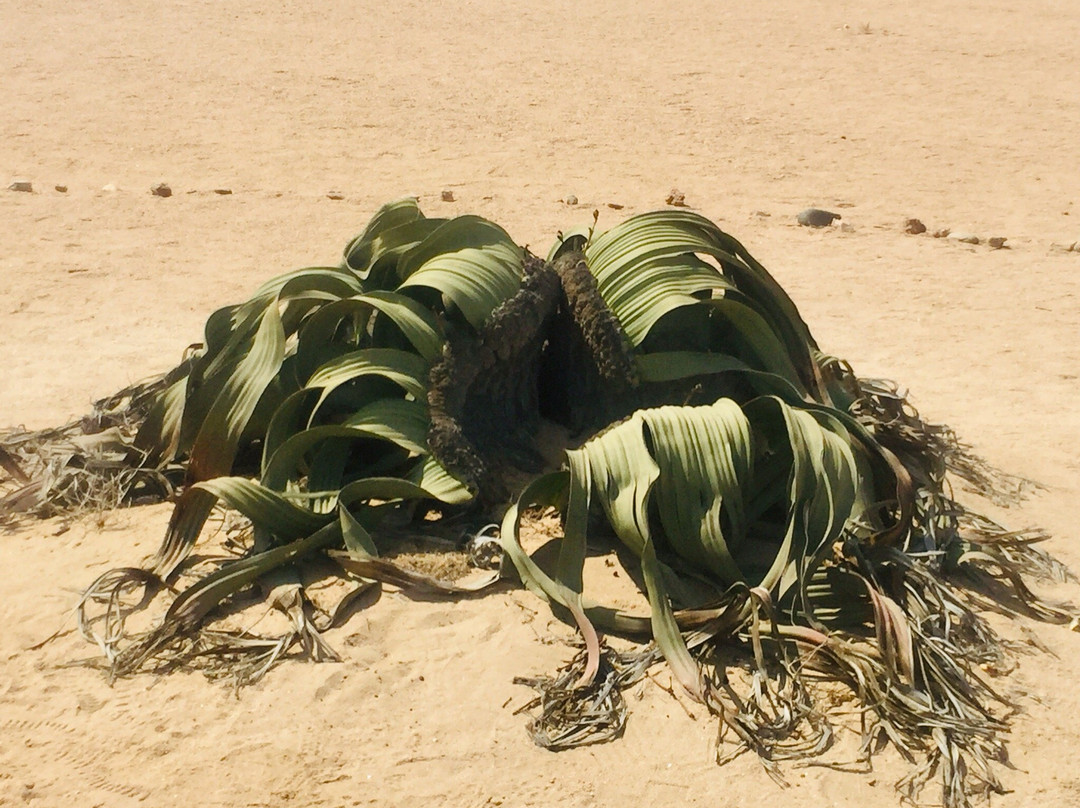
point(816, 217)
point(914, 227)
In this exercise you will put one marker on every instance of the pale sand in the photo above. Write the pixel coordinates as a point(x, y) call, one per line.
point(963, 114)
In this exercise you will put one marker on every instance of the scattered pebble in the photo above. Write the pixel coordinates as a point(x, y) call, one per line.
point(110, 188)
point(1075, 247)
point(997, 242)
point(615, 206)
point(761, 214)
point(846, 228)
point(223, 191)
point(61, 188)
point(25, 186)
point(162, 190)
point(942, 233)
point(914, 227)
point(815, 217)
point(571, 200)
point(677, 199)
point(964, 238)
point(335, 195)
point(447, 196)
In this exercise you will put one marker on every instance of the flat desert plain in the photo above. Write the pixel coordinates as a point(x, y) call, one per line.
point(962, 114)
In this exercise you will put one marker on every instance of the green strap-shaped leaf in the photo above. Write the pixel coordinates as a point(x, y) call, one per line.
point(643, 290)
point(287, 459)
point(405, 369)
point(292, 416)
point(651, 245)
point(624, 473)
point(471, 261)
point(158, 437)
point(821, 488)
point(270, 511)
point(194, 604)
point(215, 446)
point(381, 488)
point(391, 215)
point(547, 490)
point(705, 460)
point(431, 476)
point(401, 421)
point(273, 510)
point(324, 278)
point(357, 540)
point(416, 322)
point(762, 341)
point(397, 228)
point(572, 548)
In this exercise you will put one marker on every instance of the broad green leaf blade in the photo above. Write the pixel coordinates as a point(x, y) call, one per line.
point(647, 266)
point(286, 461)
point(357, 540)
point(705, 459)
point(329, 279)
point(572, 548)
point(272, 510)
point(764, 343)
point(469, 260)
point(216, 443)
point(381, 488)
point(398, 420)
point(158, 438)
point(417, 323)
point(196, 602)
point(432, 477)
point(405, 369)
point(651, 245)
point(389, 216)
point(668, 366)
point(395, 230)
point(643, 292)
point(624, 473)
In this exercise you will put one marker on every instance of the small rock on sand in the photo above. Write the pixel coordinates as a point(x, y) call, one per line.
point(964, 238)
point(162, 190)
point(914, 227)
point(570, 200)
point(997, 242)
point(109, 188)
point(223, 191)
point(447, 196)
point(816, 217)
point(677, 199)
point(942, 233)
point(337, 196)
point(60, 189)
point(25, 186)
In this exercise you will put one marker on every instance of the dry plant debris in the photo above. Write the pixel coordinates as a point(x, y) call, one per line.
point(652, 389)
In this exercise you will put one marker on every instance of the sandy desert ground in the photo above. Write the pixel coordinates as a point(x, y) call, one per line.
point(963, 114)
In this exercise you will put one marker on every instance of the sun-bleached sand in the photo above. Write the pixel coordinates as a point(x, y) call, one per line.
point(961, 114)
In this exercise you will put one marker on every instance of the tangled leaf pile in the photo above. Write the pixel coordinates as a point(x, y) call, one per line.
point(773, 500)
